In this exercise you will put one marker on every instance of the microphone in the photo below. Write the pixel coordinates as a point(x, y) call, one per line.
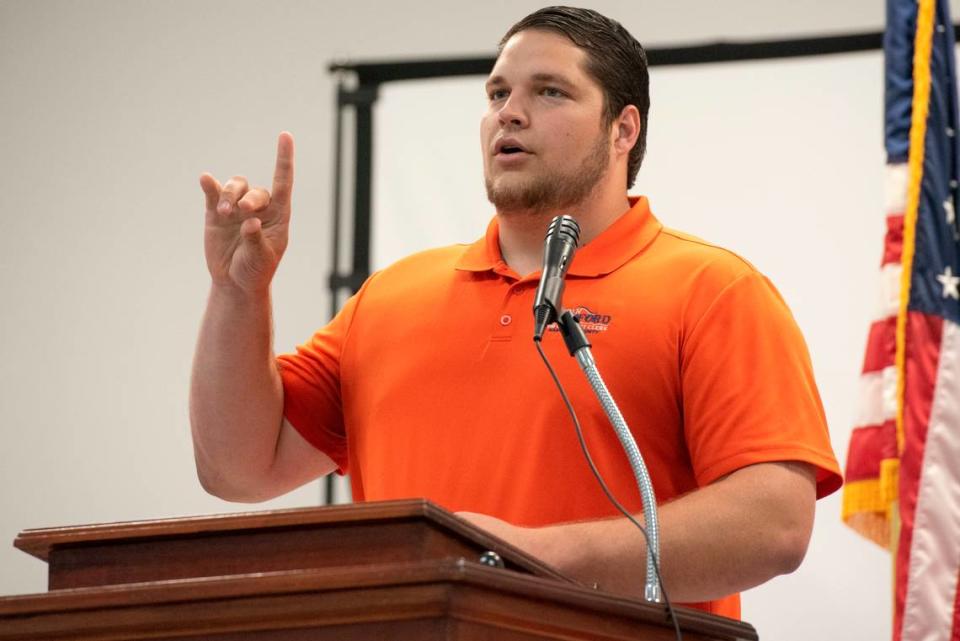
point(563, 236)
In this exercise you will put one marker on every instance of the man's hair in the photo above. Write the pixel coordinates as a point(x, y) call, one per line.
point(614, 59)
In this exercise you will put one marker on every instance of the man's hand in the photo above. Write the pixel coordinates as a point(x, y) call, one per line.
point(520, 537)
point(247, 228)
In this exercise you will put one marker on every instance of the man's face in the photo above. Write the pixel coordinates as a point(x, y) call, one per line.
point(543, 144)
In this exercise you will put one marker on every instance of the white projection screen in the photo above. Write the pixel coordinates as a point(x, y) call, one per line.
point(780, 161)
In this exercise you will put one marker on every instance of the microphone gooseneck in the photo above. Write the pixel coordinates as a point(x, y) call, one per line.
point(559, 246)
point(561, 242)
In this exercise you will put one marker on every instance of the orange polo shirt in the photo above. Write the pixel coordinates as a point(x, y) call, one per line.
point(427, 383)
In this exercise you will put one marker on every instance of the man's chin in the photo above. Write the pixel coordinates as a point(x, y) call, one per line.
point(521, 196)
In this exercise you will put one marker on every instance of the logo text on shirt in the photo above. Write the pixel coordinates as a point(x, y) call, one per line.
point(591, 322)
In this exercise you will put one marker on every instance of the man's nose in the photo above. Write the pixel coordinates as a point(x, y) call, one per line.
point(513, 112)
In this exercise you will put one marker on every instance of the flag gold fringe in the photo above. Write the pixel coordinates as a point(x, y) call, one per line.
point(868, 505)
point(922, 48)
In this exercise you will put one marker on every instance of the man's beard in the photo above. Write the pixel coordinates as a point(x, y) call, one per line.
point(553, 192)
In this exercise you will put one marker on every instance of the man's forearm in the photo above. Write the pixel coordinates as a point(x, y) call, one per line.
point(729, 536)
point(236, 396)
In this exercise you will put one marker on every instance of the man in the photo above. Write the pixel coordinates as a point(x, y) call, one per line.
point(426, 383)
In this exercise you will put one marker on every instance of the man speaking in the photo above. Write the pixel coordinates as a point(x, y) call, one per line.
point(427, 383)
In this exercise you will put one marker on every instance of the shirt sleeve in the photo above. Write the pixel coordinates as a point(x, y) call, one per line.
point(749, 394)
point(312, 400)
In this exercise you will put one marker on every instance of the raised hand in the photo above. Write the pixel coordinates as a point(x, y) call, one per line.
point(247, 228)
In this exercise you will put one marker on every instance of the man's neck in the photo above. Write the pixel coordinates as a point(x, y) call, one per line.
point(522, 232)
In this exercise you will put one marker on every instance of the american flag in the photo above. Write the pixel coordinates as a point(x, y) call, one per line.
point(903, 463)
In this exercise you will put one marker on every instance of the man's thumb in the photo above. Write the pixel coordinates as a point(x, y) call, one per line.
point(252, 233)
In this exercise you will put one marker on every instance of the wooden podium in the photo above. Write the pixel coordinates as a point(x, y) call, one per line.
point(396, 570)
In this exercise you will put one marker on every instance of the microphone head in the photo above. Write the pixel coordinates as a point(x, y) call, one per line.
point(564, 228)
point(563, 237)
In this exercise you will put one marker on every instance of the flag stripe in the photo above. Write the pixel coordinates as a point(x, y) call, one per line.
point(897, 175)
point(875, 443)
point(893, 241)
point(955, 632)
point(889, 304)
point(920, 369)
point(881, 345)
point(877, 397)
point(934, 552)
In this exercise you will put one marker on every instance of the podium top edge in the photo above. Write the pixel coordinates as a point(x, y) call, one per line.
point(39, 541)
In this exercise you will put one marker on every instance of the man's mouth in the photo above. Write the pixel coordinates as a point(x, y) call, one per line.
point(509, 147)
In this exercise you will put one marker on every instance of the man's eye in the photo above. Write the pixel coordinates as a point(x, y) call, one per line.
point(552, 92)
point(498, 94)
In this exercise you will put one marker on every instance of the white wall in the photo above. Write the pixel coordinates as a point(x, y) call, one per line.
point(110, 110)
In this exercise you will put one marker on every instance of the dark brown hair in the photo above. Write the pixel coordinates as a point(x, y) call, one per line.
point(614, 59)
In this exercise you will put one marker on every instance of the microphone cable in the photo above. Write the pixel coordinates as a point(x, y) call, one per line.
point(603, 485)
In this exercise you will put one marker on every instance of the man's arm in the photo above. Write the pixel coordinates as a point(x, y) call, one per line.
point(244, 449)
point(734, 534)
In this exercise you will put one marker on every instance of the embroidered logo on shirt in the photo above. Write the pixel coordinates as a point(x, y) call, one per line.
point(592, 323)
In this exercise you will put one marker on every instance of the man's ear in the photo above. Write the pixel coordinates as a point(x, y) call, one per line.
point(626, 129)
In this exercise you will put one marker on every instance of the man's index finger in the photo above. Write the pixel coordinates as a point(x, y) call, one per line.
point(283, 174)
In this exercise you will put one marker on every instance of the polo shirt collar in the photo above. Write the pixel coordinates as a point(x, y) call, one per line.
point(625, 238)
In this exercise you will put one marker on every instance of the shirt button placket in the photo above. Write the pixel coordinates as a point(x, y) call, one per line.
point(506, 317)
